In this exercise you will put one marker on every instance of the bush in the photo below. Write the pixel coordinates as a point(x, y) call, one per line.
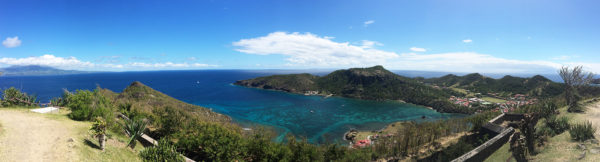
point(14, 97)
point(163, 152)
point(582, 131)
point(134, 129)
point(86, 105)
point(557, 125)
point(210, 142)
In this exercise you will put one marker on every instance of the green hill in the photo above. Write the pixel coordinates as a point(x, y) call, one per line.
point(374, 83)
point(143, 99)
point(535, 86)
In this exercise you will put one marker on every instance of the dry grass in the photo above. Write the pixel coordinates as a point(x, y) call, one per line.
point(494, 100)
point(68, 140)
point(561, 147)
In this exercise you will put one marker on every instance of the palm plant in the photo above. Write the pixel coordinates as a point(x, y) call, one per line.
point(135, 129)
point(99, 131)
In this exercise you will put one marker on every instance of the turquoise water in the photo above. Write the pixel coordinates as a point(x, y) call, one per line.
point(317, 118)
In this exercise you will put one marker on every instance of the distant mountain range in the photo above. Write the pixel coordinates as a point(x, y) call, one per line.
point(536, 86)
point(36, 70)
point(377, 83)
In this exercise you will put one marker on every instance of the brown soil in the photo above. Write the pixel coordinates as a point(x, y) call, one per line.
point(27, 136)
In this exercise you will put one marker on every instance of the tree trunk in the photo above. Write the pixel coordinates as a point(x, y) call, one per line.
point(102, 141)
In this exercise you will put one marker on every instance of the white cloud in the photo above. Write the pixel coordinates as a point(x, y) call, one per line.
point(562, 57)
point(467, 41)
point(471, 62)
point(311, 50)
point(72, 63)
point(367, 23)
point(11, 42)
point(168, 65)
point(417, 49)
point(370, 44)
point(48, 60)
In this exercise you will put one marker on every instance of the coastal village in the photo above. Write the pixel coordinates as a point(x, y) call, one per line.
point(492, 100)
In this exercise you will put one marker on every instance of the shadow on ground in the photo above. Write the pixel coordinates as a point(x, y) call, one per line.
point(91, 144)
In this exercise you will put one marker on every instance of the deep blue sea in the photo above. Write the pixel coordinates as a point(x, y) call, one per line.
point(317, 118)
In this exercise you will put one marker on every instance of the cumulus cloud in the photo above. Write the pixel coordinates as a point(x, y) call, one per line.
point(367, 23)
point(48, 60)
point(311, 50)
point(11, 42)
point(417, 49)
point(467, 41)
point(471, 62)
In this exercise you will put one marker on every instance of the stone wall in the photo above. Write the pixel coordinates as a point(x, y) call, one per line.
point(483, 151)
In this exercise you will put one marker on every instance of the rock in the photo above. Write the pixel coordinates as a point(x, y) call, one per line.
point(594, 151)
point(581, 156)
point(594, 141)
point(70, 140)
point(581, 146)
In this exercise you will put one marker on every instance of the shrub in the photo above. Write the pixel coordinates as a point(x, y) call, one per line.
point(98, 130)
point(210, 142)
point(86, 105)
point(135, 129)
point(163, 152)
point(557, 125)
point(14, 97)
point(582, 131)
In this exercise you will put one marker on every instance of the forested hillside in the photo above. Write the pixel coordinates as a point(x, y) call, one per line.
point(535, 86)
point(374, 83)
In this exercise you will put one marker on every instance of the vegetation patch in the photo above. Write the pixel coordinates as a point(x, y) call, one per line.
point(582, 131)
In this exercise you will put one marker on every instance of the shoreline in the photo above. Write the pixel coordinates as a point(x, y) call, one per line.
point(333, 95)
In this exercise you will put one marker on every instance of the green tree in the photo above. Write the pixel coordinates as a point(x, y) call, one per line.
point(86, 105)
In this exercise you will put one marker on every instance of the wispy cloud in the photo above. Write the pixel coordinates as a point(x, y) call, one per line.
point(467, 41)
point(367, 23)
point(11, 42)
point(417, 49)
point(370, 44)
point(563, 57)
point(311, 50)
point(471, 62)
point(168, 65)
point(72, 63)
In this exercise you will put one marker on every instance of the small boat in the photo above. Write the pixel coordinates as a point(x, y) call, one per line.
point(197, 82)
point(312, 111)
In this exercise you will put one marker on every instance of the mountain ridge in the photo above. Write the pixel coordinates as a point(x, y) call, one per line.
point(36, 70)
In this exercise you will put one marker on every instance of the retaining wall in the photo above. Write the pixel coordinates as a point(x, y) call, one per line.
point(483, 151)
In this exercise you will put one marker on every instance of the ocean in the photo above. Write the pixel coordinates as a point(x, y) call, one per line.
point(315, 118)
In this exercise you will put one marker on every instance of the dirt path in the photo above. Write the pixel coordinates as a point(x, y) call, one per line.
point(592, 114)
point(31, 137)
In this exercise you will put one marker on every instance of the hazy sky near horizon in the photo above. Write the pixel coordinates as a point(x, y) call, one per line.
point(508, 36)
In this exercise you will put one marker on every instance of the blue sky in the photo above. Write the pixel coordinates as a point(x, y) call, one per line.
point(461, 36)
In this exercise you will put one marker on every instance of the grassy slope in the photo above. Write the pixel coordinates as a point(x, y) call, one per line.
point(115, 150)
point(558, 148)
point(146, 99)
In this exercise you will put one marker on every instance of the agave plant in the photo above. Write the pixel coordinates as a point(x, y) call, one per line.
point(135, 129)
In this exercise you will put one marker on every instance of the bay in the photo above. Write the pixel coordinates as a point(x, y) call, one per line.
point(317, 118)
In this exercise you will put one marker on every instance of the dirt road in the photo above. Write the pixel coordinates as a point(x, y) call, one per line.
point(592, 113)
point(27, 136)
